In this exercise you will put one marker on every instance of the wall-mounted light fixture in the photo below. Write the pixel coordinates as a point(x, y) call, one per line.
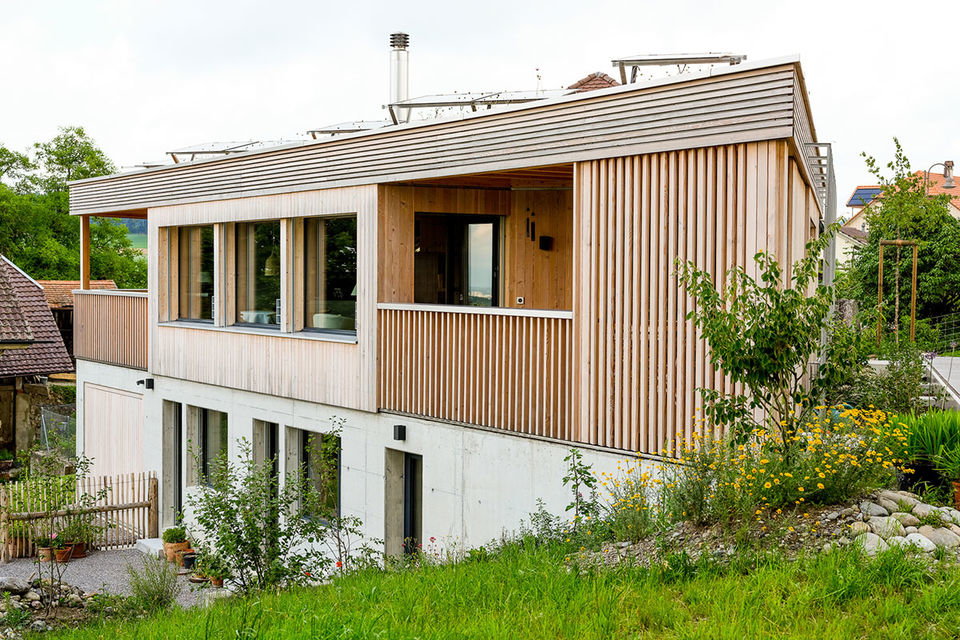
point(146, 382)
point(399, 432)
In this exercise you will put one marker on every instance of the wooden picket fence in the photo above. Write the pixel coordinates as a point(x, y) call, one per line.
point(124, 508)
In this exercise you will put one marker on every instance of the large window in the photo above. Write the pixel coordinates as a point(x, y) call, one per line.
point(258, 274)
point(212, 431)
point(457, 259)
point(195, 257)
point(320, 460)
point(330, 274)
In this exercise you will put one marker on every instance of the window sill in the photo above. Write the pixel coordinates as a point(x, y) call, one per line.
point(318, 336)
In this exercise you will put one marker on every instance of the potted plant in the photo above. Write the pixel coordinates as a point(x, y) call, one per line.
point(947, 464)
point(212, 566)
point(45, 548)
point(174, 540)
point(78, 535)
point(61, 551)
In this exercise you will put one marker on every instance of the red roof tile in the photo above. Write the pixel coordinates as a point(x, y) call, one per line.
point(48, 354)
point(598, 80)
point(59, 293)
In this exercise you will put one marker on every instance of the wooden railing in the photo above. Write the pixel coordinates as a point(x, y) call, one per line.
point(503, 368)
point(111, 327)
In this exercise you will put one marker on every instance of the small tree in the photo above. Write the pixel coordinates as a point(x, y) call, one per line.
point(763, 333)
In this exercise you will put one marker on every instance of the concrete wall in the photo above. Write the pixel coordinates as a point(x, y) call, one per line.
point(477, 484)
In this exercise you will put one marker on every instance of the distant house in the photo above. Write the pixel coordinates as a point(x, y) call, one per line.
point(59, 295)
point(33, 348)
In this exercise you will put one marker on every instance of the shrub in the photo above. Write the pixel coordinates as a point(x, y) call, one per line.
point(174, 535)
point(898, 388)
point(832, 458)
point(632, 512)
point(154, 583)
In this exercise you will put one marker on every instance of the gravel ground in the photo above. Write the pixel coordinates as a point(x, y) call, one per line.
point(101, 571)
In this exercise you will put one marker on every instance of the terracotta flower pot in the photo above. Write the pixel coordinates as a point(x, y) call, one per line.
point(180, 553)
point(956, 495)
point(170, 549)
point(63, 554)
point(45, 554)
point(216, 582)
point(79, 549)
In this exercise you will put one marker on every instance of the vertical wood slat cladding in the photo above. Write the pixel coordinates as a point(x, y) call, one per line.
point(493, 369)
point(111, 327)
point(638, 360)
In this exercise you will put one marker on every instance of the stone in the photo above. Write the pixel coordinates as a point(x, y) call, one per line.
point(952, 514)
point(940, 536)
point(872, 509)
point(907, 519)
point(890, 505)
point(910, 529)
point(849, 511)
point(922, 510)
point(31, 596)
point(920, 542)
point(900, 498)
point(871, 543)
point(13, 585)
point(954, 528)
point(833, 515)
point(827, 547)
point(859, 528)
point(897, 541)
point(843, 541)
point(886, 527)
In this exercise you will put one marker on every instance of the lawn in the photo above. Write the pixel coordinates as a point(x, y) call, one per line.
point(138, 240)
point(528, 593)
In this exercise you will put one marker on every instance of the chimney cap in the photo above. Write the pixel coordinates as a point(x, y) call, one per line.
point(399, 40)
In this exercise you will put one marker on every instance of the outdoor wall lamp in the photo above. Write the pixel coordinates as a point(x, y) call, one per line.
point(948, 182)
point(147, 383)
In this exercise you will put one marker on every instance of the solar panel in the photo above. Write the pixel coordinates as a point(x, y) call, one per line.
point(863, 196)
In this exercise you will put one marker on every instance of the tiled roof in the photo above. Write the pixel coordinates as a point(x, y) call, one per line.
point(13, 325)
point(48, 354)
point(853, 232)
point(598, 80)
point(59, 293)
point(936, 187)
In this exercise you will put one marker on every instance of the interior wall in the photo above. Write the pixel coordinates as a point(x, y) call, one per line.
point(543, 278)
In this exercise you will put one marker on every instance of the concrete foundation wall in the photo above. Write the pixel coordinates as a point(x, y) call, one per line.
point(477, 484)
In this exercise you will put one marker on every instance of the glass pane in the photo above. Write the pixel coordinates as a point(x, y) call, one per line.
point(320, 456)
point(195, 273)
point(330, 273)
point(258, 273)
point(213, 425)
point(479, 268)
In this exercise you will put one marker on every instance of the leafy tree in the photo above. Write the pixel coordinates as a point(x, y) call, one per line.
point(36, 230)
point(763, 333)
point(905, 211)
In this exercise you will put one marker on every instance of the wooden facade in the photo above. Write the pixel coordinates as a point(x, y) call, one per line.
point(590, 342)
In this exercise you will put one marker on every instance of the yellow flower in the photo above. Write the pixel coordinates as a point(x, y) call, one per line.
point(819, 485)
point(799, 488)
point(767, 485)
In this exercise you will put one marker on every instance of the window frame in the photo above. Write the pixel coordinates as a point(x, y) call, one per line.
point(233, 292)
point(300, 284)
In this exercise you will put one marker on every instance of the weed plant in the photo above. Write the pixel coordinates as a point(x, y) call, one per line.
point(154, 583)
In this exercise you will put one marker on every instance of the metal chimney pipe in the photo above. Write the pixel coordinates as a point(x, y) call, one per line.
point(400, 72)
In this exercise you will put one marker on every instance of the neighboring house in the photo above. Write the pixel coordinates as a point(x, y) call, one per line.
point(30, 347)
point(849, 239)
point(472, 296)
point(59, 294)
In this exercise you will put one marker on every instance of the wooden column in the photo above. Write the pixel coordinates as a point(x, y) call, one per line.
point(84, 252)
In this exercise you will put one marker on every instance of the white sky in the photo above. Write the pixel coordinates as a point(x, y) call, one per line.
point(147, 76)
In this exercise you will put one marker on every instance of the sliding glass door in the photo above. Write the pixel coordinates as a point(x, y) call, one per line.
point(457, 260)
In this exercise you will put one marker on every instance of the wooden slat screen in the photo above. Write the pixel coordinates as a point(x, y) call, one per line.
point(111, 327)
point(638, 360)
point(502, 370)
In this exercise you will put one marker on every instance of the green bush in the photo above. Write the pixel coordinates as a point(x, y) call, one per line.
point(154, 583)
point(174, 535)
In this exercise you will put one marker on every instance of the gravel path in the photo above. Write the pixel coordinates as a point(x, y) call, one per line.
point(102, 571)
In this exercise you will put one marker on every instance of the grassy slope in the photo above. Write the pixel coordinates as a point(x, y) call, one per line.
point(139, 240)
point(530, 595)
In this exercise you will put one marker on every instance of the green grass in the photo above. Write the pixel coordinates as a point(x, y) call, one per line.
point(523, 594)
point(139, 240)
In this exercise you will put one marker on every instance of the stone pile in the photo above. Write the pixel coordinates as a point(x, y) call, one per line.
point(33, 595)
point(899, 518)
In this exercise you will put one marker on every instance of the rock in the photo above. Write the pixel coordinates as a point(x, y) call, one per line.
point(907, 519)
point(859, 528)
point(843, 540)
point(897, 541)
point(890, 505)
point(887, 527)
point(910, 529)
point(952, 514)
point(922, 510)
point(827, 547)
point(872, 509)
point(73, 600)
point(954, 528)
point(899, 498)
point(833, 515)
point(849, 511)
point(942, 537)
point(871, 543)
point(12, 585)
point(920, 542)
point(31, 596)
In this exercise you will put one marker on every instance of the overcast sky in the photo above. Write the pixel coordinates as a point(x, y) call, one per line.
point(148, 76)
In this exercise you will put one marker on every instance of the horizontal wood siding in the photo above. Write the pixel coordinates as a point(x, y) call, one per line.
point(741, 106)
point(638, 360)
point(111, 327)
point(498, 370)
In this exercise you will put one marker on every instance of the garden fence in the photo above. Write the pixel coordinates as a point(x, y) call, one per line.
point(122, 509)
